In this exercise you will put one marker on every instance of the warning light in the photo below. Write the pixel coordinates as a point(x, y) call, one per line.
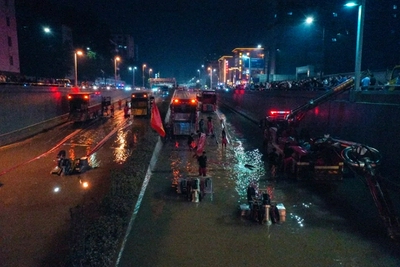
point(176, 100)
point(133, 96)
point(193, 101)
point(279, 112)
point(86, 97)
point(144, 95)
point(69, 96)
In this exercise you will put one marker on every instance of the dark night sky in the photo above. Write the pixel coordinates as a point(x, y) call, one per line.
point(175, 37)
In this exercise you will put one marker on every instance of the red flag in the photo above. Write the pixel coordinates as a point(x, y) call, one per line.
point(156, 122)
point(201, 143)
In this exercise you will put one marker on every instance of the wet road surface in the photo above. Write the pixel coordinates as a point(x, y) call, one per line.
point(34, 204)
point(334, 224)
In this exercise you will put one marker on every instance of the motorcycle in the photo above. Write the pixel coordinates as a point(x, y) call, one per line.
point(67, 166)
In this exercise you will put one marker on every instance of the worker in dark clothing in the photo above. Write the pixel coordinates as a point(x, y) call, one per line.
point(273, 159)
point(202, 160)
point(251, 192)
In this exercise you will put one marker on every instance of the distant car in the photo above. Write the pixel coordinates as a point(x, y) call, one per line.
point(63, 82)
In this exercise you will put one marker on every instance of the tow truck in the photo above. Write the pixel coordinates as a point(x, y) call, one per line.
point(184, 113)
point(326, 157)
point(85, 106)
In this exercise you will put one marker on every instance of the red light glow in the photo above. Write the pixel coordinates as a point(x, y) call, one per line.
point(279, 112)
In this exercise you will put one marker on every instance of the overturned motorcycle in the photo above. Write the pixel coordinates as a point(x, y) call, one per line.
point(67, 166)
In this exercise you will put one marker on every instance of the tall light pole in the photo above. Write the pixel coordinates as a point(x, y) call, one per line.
point(76, 54)
point(115, 69)
point(133, 76)
point(210, 69)
point(199, 73)
point(309, 21)
point(143, 67)
point(150, 71)
point(360, 32)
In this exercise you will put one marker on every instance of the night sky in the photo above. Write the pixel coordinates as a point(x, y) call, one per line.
point(175, 37)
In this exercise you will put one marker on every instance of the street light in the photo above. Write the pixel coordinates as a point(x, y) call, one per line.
point(199, 73)
point(46, 29)
point(309, 21)
point(115, 69)
point(143, 67)
point(133, 76)
point(360, 31)
point(150, 70)
point(76, 54)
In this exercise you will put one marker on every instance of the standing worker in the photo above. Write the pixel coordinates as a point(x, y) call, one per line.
point(112, 110)
point(210, 127)
point(201, 126)
point(224, 141)
point(202, 160)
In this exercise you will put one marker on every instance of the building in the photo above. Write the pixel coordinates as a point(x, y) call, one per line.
point(226, 67)
point(9, 57)
point(249, 65)
point(124, 46)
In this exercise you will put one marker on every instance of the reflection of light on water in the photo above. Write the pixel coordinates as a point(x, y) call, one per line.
point(299, 219)
point(245, 175)
point(93, 160)
point(121, 151)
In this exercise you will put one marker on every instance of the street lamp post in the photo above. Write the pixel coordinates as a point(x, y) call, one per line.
point(133, 76)
point(115, 70)
point(143, 67)
point(210, 69)
point(310, 20)
point(76, 54)
point(199, 73)
point(360, 31)
point(150, 71)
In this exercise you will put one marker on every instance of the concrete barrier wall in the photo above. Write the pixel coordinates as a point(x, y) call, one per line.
point(29, 131)
point(365, 122)
point(26, 111)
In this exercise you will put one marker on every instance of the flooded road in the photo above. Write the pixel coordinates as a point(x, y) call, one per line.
point(334, 224)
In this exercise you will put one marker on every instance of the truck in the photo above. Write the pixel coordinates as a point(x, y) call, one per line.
point(208, 100)
point(324, 158)
point(184, 113)
point(84, 106)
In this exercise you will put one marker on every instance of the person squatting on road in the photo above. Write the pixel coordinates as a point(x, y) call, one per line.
point(202, 160)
